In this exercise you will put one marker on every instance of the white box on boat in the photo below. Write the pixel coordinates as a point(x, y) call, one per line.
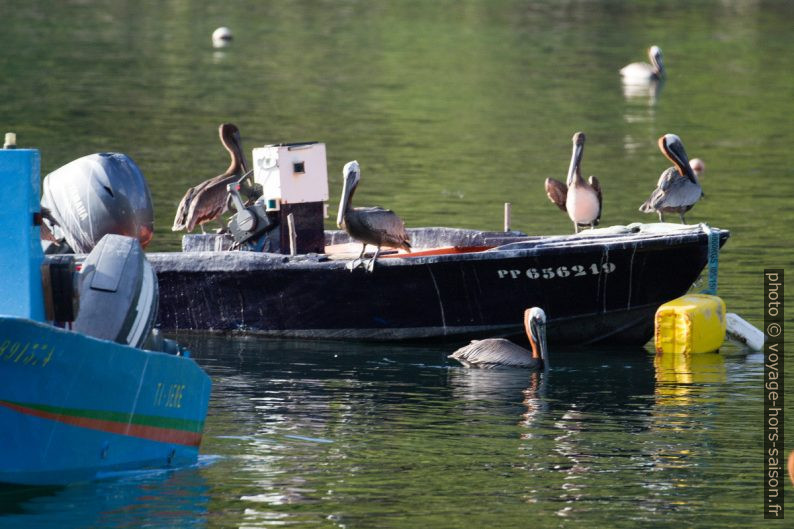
point(291, 173)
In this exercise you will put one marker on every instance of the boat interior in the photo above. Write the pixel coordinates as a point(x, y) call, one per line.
point(430, 241)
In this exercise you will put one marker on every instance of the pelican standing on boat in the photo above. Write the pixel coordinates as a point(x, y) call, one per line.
point(371, 225)
point(208, 200)
point(642, 72)
point(580, 199)
point(498, 352)
point(678, 188)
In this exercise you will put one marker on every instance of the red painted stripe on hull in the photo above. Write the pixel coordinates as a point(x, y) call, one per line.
point(152, 433)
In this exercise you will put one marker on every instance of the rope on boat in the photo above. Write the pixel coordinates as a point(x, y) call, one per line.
point(713, 258)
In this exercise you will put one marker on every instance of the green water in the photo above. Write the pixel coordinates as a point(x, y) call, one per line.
point(452, 109)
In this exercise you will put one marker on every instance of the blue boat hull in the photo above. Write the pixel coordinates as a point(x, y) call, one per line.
point(73, 407)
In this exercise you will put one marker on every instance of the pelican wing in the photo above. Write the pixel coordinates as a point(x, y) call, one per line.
point(180, 220)
point(493, 352)
point(209, 201)
point(383, 226)
point(658, 195)
point(596, 185)
point(667, 178)
point(557, 192)
point(638, 71)
point(673, 191)
point(680, 192)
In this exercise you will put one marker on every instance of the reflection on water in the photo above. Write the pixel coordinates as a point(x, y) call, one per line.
point(174, 498)
point(350, 434)
point(643, 92)
point(678, 374)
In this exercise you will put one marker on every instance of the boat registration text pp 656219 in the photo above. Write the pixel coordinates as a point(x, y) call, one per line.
point(577, 270)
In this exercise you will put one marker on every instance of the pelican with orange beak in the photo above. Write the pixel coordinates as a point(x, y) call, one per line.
point(678, 188)
point(499, 352)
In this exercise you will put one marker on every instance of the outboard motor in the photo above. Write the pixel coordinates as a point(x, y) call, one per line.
point(250, 225)
point(118, 292)
point(93, 196)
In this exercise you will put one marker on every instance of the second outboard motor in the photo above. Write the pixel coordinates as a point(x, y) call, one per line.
point(118, 292)
point(250, 224)
point(96, 195)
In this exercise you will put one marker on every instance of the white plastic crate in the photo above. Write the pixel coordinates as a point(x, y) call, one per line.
point(292, 173)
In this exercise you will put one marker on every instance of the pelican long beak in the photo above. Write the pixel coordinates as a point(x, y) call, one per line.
point(673, 148)
point(544, 350)
point(350, 173)
point(237, 144)
point(576, 159)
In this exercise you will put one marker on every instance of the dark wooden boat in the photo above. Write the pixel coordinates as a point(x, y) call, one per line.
point(602, 285)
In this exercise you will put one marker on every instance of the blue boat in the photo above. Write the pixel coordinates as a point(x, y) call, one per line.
point(91, 389)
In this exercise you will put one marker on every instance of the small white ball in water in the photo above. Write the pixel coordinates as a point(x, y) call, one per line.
point(221, 37)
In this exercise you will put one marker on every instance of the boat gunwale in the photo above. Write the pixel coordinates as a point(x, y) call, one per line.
point(219, 261)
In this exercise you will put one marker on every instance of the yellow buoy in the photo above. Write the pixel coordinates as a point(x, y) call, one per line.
point(694, 323)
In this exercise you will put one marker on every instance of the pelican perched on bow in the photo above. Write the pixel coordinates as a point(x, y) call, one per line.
point(580, 199)
point(678, 188)
point(208, 200)
point(373, 225)
point(498, 352)
point(642, 72)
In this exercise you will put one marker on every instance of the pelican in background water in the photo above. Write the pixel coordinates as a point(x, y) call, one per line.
point(642, 72)
point(678, 188)
point(208, 200)
point(498, 352)
point(373, 225)
point(580, 199)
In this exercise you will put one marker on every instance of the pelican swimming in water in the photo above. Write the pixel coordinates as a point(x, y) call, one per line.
point(580, 199)
point(642, 72)
point(373, 225)
point(208, 200)
point(498, 352)
point(678, 188)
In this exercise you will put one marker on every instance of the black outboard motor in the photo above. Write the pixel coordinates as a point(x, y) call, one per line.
point(118, 292)
point(93, 196)
point(251, 227)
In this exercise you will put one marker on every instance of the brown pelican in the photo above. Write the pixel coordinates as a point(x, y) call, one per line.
point(678, 188)
point(642, 72)
point(580, 199)
point(498, 352)
point(208, 200)
point(374, 225)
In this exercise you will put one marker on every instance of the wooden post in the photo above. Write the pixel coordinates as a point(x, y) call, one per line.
point(508, 205)
point(293, 236)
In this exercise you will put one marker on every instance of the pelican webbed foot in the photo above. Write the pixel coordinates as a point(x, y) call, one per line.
point(371, 264)
point(355, 263)
point(358, 262)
